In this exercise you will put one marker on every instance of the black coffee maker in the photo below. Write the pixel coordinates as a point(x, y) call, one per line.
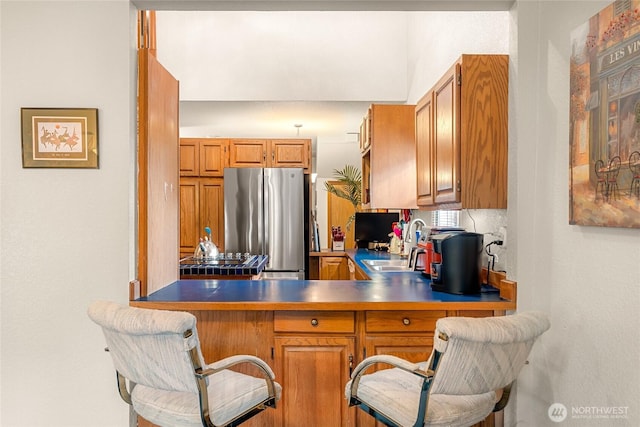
point(460, 263)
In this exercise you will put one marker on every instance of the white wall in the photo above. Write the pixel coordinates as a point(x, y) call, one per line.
point(287, 56)
point(78, 226)
point(269, 70)
point(66, 235)
point(436, 43)
point(586, 278)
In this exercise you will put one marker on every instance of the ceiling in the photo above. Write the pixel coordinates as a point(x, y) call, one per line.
point(381, 5)
point(334, 121)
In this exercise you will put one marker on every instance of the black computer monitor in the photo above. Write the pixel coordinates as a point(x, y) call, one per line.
point(374, 227)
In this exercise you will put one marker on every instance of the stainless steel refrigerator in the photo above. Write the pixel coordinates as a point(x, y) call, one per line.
point(264, 213)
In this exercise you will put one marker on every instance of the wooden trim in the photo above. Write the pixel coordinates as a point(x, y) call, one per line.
point(134, 290)
point(498, 279)
point(325, 306)
point(158, 138)
point(147, 30)
point(143, 170)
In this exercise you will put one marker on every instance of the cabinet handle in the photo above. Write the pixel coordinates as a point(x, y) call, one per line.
point(406, 321)
point(273, 156)
point(350, 365)
point(314, 322)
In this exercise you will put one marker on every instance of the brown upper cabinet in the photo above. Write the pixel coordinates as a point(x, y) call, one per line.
point(203, 156)
point(424, 145)
point(189, 157)
point(462, 136)
point(248, 153)
point(388, 157)
point(365, 134)
point(276, 153)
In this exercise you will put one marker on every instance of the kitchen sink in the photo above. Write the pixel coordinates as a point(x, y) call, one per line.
point(389, 268)
point(387, 265)
point(386, 262)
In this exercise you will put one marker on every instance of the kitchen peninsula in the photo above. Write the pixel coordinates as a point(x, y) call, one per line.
point(313, 332)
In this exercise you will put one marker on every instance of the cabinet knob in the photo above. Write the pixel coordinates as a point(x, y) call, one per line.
point(314, 322)
point(406, 321)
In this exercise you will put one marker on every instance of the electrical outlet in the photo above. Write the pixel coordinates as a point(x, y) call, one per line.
point(503, 232)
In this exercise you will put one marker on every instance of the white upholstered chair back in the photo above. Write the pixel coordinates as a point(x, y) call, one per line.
point(150, 347)
point(481, 355)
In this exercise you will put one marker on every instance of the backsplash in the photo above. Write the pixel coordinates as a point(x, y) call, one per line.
point(490, 222)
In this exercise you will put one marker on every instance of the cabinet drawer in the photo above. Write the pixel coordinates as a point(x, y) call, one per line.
point(402, 321)
point(314, 321)
point(412, 348)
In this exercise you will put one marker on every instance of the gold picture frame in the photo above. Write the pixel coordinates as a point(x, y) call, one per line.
point(59, 137)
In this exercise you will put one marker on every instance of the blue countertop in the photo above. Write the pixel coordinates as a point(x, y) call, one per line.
point(385, 291)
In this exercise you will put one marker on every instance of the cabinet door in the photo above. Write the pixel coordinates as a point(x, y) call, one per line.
point(484, 134)
point(362, 137)
point(424, 144)
point(227, 333)
point(212, 209)
point(189, 157)
point(355, 272)
point(392, 156)
point(334, 268)
point(412, 348)
point(313, 371)
point(247, 153)
point(289, 153)
point(365, 132)
point(446, 105)
point(189, 215)
point(366, 180)
point(213, 157)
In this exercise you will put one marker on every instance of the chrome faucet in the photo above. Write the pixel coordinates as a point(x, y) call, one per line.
point(408, 237)
point(414, 251)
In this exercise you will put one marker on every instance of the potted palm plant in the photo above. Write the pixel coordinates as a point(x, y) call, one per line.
point(349, 188)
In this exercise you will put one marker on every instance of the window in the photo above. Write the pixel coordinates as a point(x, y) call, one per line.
point(445, 218)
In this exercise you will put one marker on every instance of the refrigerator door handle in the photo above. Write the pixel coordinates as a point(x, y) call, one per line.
point(266, 183)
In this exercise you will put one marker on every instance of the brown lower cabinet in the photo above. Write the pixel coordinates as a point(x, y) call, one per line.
point(313, 352)
point(312, 368)
point(333, 268)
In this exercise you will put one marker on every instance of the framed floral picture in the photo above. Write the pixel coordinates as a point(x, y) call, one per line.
point(59, 137)
point(604, 118)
